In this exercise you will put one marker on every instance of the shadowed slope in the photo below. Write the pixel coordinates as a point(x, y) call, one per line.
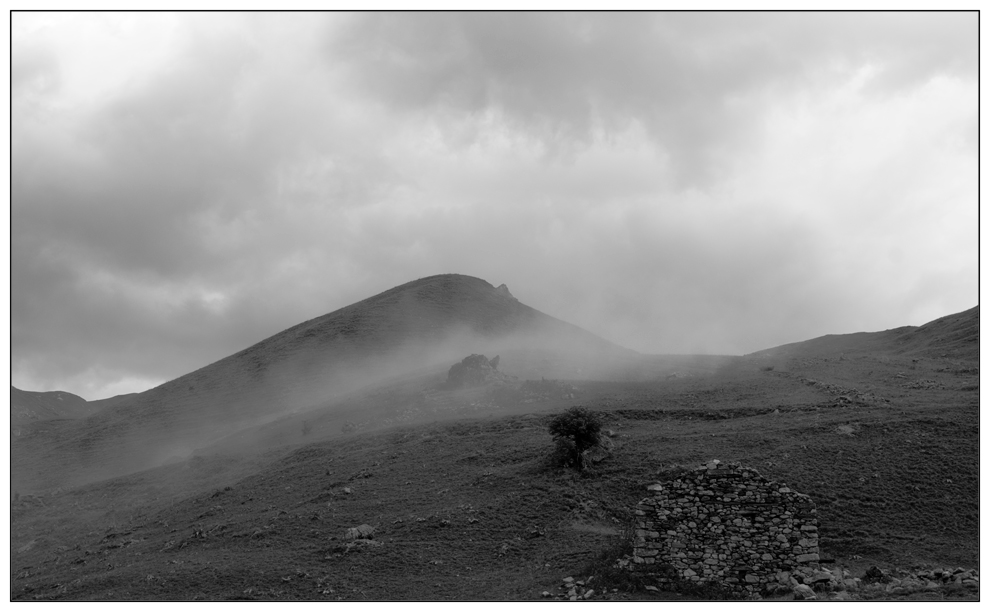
point(414, 326)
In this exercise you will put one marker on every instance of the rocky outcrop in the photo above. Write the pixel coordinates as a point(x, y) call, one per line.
point(727, 525)
point(474, 371)
point(504, 290)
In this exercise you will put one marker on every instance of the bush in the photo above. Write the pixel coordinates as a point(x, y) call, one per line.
point(576, 431)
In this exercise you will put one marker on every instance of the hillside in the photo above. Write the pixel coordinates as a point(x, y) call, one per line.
point(30, 406)
point(470, 510)
point(422, 326)
point(956, 336)
point(111, 401)
point(882, 433)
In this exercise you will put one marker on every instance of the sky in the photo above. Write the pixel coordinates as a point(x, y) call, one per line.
point(184, 185)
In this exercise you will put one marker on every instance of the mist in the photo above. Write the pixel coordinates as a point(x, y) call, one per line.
point(412, 334)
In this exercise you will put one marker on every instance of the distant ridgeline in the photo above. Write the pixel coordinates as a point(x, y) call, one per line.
point(727, 525)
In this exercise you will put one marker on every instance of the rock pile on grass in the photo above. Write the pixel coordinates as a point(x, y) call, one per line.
point(877, 580)
point(573, 590)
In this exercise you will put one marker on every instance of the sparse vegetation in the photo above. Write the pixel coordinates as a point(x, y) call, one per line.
point(457, 487)
point(514, 529)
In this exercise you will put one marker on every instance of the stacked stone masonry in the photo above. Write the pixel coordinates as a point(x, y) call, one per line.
point(728, 525)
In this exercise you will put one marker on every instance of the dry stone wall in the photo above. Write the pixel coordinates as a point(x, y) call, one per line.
point(726, 525)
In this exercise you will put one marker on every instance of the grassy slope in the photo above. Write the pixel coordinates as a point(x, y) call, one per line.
point(469, 510)
point(955, 336)
point(31, 406)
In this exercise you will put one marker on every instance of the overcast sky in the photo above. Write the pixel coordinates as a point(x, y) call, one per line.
point(185, 185)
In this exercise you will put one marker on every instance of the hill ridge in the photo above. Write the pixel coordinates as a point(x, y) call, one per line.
point(432, 320)
point(955, 335)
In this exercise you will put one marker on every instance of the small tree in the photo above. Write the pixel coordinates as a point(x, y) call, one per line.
point(575, 431)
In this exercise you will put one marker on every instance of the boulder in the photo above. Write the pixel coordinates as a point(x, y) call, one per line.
point(822, 575)
point(361, 532)
point(804, 592)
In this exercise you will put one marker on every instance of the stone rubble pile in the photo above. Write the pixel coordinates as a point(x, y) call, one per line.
point(878, 580)
point(574, 590)
point(727, 525)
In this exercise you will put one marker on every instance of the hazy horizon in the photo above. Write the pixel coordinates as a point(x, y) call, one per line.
point(187, 184)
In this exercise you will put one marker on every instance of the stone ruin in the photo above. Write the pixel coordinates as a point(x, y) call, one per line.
point(474, 371)
point(727, 525)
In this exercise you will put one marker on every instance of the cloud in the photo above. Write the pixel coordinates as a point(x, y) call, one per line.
point(695, 81)
point(675, 182)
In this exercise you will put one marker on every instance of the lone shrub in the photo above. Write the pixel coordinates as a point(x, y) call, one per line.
point(575, 431)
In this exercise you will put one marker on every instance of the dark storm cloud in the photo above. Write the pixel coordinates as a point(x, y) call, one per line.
point(187, 184)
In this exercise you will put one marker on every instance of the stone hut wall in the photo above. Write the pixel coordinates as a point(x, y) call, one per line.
point(727, 525)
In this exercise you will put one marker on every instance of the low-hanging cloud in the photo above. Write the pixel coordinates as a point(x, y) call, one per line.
point(674, 182)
